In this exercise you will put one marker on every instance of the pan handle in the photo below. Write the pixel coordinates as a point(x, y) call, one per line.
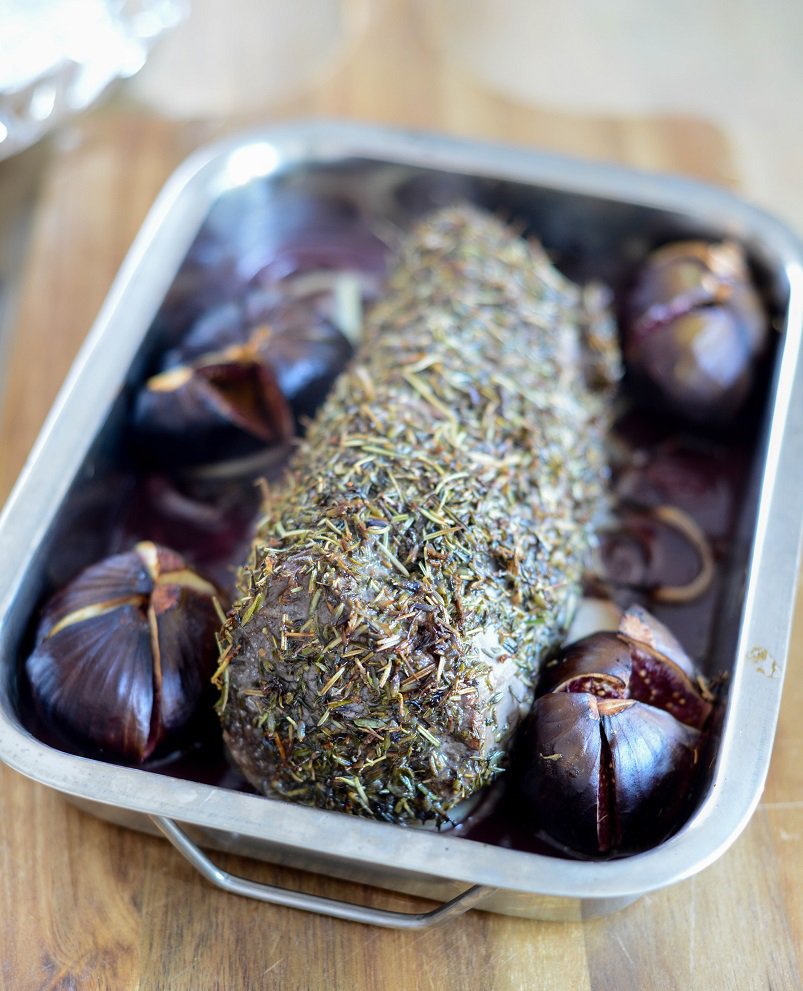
point(470, 898)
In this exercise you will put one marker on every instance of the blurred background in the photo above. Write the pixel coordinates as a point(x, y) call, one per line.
point(102, 98)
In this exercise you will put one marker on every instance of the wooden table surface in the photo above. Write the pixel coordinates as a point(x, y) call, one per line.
point(87, 905)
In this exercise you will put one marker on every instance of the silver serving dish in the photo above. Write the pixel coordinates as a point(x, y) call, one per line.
point(599, 216)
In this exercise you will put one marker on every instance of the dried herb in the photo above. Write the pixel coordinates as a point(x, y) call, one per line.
point(425, 553)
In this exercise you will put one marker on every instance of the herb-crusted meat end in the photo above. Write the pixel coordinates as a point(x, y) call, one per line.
point(424, 555)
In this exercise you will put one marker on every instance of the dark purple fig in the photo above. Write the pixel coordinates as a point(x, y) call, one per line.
point(600, 664)
point(313, 234)
point(606, 775)
point(298, 338)
point(222, 406)
point(262, 236)
point(661, 683)
point(660, 551)
point(614, 665)
point(306, 364)
point(700, 479)
point(288, 334)
point(564, 777)
point(608, 754)
point(693, 327)
point(213, 534)
point(652, 759)
point(638, 624)
point(124, 653)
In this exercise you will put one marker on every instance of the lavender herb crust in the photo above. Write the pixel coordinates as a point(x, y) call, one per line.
point(424, 554)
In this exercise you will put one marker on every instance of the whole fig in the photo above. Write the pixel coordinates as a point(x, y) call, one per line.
point(125, 652)
point(610, 750)
point(693, 326)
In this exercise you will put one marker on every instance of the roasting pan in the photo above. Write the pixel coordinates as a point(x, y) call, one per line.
point(595, 219)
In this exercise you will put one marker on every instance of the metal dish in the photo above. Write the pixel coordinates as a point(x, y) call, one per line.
point(595, 218)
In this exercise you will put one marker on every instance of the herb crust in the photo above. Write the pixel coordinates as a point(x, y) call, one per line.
point(424, 554)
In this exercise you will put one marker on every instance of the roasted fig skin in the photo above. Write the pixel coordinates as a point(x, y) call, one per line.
point(124, 653)
point(608, 756)
point(213, 534)
point(693, 327)
point(653, 757)
point(225, 405)
point(295, 336)
point(561, 768)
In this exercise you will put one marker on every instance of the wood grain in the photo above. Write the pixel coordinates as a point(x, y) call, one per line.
point(87, 905)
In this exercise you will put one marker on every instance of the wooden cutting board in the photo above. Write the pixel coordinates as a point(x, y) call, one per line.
point(87, 905)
